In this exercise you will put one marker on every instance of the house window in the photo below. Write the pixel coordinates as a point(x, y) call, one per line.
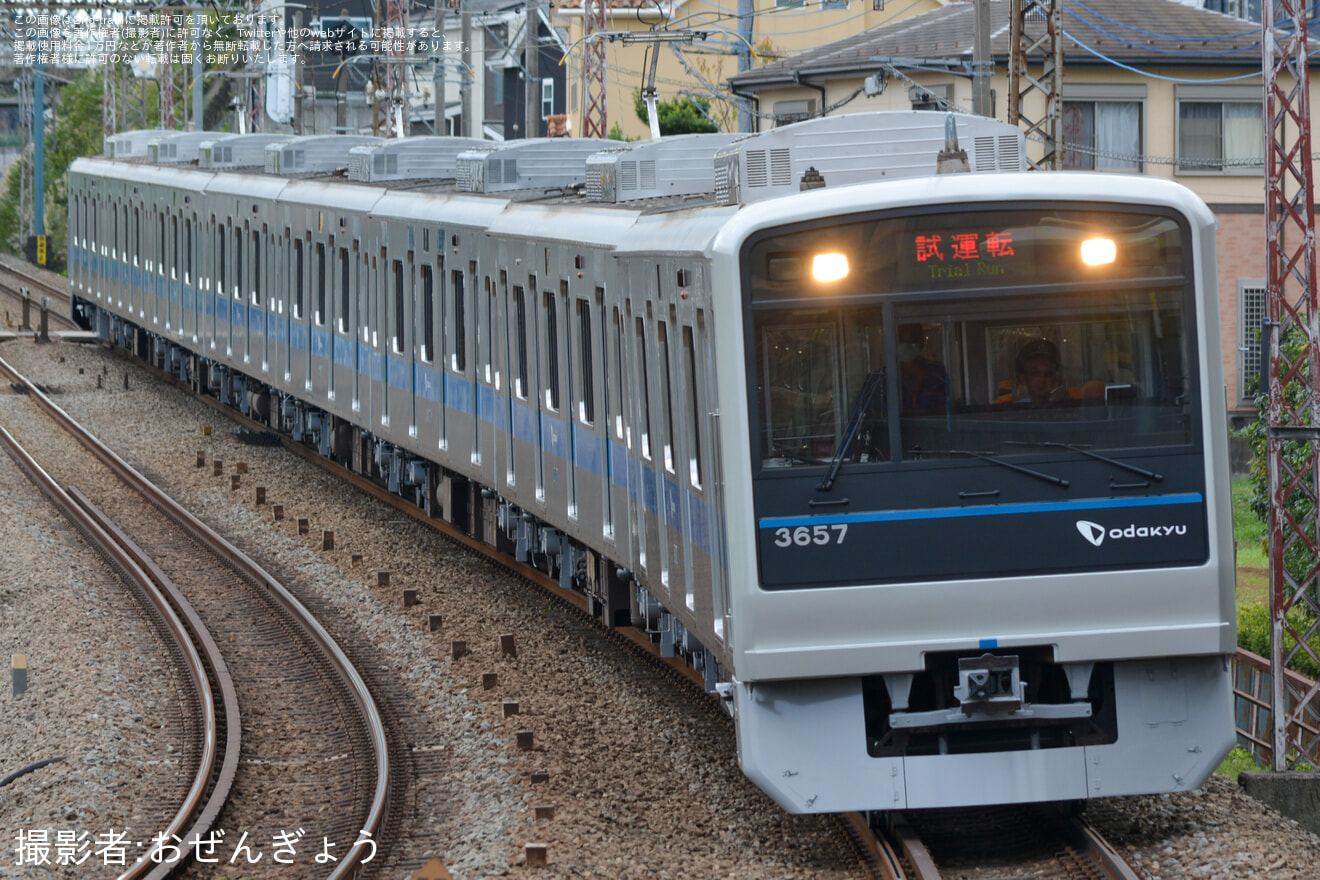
point(790, 4)
point(1252, 310)
point(1220, 131)
point(1102, 135)
point(833, 4)
point(547, 97)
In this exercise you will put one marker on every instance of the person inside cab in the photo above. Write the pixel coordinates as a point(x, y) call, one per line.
point(1038, 377)
point(923, 382)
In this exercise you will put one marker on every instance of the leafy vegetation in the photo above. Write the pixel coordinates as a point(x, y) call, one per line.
point(1238, 761)
point(679, 116)
point(75, 132)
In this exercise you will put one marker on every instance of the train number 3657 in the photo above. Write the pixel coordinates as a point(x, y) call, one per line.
point(804, 536)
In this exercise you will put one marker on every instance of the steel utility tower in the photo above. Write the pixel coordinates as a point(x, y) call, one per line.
point(1292, 414)
point(594, 116)
point(1037, 26)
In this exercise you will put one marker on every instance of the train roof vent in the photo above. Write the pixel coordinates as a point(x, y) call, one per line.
point(536, 163)
point(132, 144)
point(414, 158)
point(178, 146)
point(313, 154)
point(858, 148)
point(671, 166)
point(236, 150)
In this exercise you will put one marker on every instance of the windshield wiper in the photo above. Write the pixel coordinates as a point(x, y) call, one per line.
point(872, 396)
point(1150, 475)
point(1049, 478)
point(794, 455)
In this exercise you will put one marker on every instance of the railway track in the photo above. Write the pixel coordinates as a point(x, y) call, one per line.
point(16, 278)
point(1075, 850)
point(313, 757)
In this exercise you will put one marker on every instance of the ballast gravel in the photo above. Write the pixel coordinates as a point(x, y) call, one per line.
point(641, 777)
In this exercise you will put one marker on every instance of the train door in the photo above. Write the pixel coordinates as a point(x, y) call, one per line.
point(522, 409)
point(256, 337)
point(222, 277)
point(489, 375)
point(641, 462)
point(189, 304)
point(297, 271)
point(707, 476)
point(358, 327)
point(462, 404)
point(512, 348)
point(585, 500)
point(670, 506)
point(427, 405)
point(318, 336)
point(380, 400)
point(237, 292)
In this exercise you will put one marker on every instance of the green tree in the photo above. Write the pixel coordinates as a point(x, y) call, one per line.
point(679, 116)
point(1300, 505)
point(75, 132)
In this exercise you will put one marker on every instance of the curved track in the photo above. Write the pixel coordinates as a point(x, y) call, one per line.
point(320, 745)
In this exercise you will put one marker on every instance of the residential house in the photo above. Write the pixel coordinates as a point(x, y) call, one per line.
point(700, 68)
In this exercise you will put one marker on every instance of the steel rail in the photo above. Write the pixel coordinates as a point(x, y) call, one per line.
point(365, 704)
point(122, 559)
point(209, 812)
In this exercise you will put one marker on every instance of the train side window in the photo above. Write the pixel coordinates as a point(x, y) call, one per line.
point(428, 313)
point(488, 352)
point(662, 339)
point(220, 260)
point(616, 393)
point(297, 277)
point(321, 283)
point(644, 380)
point(398, 306)
point(188, 251)
point(238, 263)
point(256, 268)
point(174, 234)
point(694, 406)
point(161, 256)
point(116, 245)
point(520, 306)
point(344, 297)
point(586, 390)
point(458, 362)
point(551, 351)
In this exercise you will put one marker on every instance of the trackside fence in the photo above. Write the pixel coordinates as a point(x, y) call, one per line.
point(1252, 680)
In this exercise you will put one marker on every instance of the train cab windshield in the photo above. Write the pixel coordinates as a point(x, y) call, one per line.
point(1014, 355)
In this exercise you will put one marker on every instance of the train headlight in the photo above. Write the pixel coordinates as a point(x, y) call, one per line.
point(1098, 251)
point(827, 268)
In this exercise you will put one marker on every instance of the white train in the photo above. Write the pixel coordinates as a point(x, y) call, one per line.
point(927, 473)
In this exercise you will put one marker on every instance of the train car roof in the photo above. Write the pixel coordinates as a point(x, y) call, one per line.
point(330, 193)
point(589, 223)
point(252, 186)
point(439, 208)
point(686, 229)
point(155, 175)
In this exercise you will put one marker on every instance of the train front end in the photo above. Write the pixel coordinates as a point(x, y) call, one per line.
point(981, 550)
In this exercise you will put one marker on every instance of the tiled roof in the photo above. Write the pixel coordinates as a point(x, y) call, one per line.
point(613, 4)
point(1149, 33)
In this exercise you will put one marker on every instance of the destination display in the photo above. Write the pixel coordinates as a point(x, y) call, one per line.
point(965, 250)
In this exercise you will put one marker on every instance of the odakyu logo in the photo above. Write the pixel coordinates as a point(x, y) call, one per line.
point(1096, 533)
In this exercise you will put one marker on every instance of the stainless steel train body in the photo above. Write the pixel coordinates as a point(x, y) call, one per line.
point(691, 415)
